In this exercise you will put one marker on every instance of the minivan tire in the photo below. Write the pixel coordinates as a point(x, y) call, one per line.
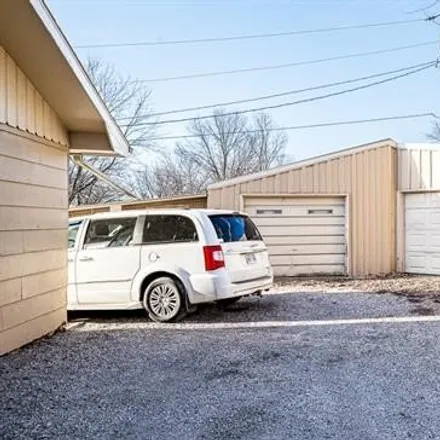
point(164, 300)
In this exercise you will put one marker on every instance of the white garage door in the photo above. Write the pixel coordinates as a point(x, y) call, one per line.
point(422, 233)
point(304, 235)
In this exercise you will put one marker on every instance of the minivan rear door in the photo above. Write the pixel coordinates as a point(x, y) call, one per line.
point(246, 255)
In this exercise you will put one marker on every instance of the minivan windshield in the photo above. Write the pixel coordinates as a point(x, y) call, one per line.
point(234, 227)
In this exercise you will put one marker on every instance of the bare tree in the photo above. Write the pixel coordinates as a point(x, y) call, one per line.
point(435, 133)
point(226, 146)
point(128, 102)
point(229, 145)
point(169, 176)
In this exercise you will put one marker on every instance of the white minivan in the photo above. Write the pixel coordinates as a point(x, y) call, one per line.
point(166, 261)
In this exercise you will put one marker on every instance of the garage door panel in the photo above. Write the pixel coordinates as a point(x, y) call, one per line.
point(416, 261)
point(424, 263)
point(286, 231)
point(435, 218)
point(422, 200)
point(304, 235)
point(422, 233)
point(307, 259)
point(293, 271)
point(295, 211)
point(417, 219)
point(305, 239)
point(423, 242)
point(299, 221)
point(307, 249)
point(252, 202)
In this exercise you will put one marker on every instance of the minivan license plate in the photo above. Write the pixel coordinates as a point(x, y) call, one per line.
point(250, 258)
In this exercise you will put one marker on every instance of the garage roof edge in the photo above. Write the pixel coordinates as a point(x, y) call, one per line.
point(303, 163)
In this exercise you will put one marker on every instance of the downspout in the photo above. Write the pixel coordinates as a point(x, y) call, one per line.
point(78, 160)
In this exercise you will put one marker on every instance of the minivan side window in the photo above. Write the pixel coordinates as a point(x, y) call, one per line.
point(73, 233)
point(113, 232)
point(169, 229)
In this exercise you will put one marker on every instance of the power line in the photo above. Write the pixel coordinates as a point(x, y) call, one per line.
point(252, 36)
point(302, 101)
point(310, 126)
point(283, 66)
point(279, 95)
point(425, 8)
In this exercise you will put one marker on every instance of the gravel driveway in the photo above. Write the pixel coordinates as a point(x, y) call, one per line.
point(238, 374)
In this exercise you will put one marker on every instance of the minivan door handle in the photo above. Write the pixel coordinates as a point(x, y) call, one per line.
point(85, 258)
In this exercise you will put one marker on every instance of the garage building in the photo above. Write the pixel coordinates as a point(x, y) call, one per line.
point(368, 210)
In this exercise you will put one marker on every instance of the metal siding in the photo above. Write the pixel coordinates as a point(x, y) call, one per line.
point(369, 178)
point(419, 169)
point(22, 107)
point(284, 179)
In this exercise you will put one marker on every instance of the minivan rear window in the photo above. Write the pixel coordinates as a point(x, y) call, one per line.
point(234, 227)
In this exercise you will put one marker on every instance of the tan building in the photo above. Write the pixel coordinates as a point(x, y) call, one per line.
point(48, 109)
point(368, 210)
point(198, 201)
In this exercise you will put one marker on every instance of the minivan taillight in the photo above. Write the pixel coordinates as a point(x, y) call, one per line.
point(214, 258)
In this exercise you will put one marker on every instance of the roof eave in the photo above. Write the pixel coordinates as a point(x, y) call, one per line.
point(117, 141)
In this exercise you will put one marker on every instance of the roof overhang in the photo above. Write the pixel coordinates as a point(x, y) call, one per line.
point(32, 37)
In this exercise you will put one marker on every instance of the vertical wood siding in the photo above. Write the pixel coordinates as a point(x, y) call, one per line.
point(368, 178)
point(22, 107)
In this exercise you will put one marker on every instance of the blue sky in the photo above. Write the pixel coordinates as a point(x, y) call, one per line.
point(112, 21)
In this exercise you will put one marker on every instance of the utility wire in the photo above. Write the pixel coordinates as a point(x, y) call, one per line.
point(279, 95)
point(283, 66)
point(302, 101)
point(310, 126)
point(424, 8)
point(252, 36)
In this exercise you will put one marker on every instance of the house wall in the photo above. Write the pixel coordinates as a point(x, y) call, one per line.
point(367, 177)
point(22, 107)
point(33, 212)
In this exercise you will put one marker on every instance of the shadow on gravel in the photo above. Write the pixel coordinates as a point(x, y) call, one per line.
point(281, 307)
point(423, 311)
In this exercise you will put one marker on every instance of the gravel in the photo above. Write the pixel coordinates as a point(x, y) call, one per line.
point(399, 285)
point(116, 375)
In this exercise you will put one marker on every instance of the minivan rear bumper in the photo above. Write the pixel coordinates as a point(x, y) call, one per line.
point(213, 287)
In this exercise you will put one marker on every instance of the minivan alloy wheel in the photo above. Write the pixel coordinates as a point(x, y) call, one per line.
point(163, 300)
